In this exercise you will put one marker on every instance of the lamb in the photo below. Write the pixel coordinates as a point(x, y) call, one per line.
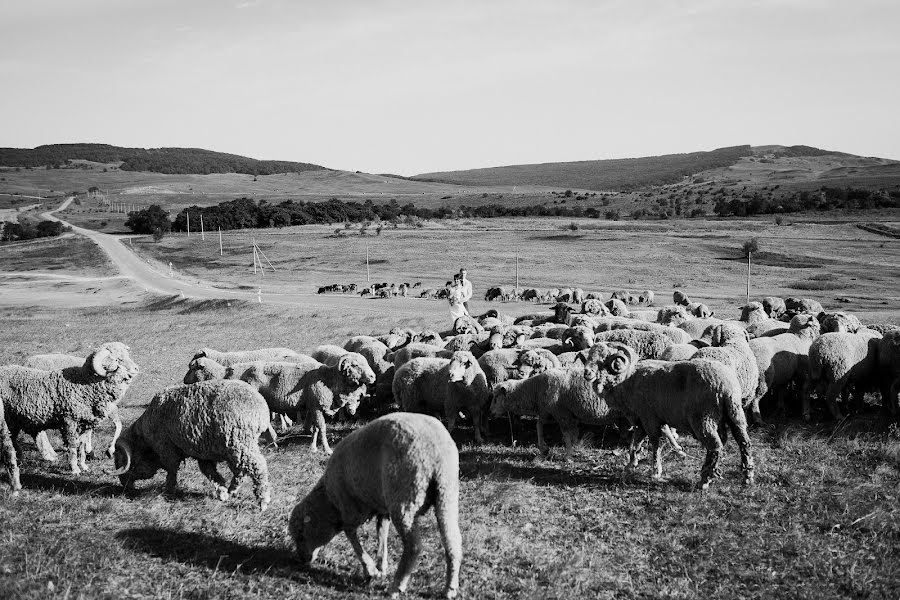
point(8, 454)
point(889, 370)
point(230, 358)
point(441, 386)
point(783, 358)
point(840, 360)
point(647, 344)
point(57, 362)
point(322, 390)
point(210, 421)
point(72, 400)
point(700, 396)
point(730, 346)
point(563, 394)
point(395, 468)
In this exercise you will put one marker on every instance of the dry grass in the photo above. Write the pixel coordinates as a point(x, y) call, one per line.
point(822, 520)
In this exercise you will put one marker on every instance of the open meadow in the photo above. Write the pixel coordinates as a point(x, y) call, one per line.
point(822, 521)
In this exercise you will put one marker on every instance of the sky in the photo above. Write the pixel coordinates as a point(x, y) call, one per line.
point(416, 86)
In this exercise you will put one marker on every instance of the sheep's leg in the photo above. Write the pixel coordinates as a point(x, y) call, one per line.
point(755, 414)
point(112, 444)
point(541, 442)
point(87, 439)
point(451, 412)
point(637, 438)
point(209, 470)
point(171, 480)
point(710, 439)
point(831, 395)
point(43, 445)
point(382, 526)
point(73, 442)
point(237, 477)
point(8, 457)
point(320, 426)
point(368, 564)
point(739, 431)
point(446, 511)
point(476, 423)
point(570, 437)
point(405, 522)
point(656, 452)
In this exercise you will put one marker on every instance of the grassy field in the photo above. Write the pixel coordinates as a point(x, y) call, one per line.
point(821, 522)
point(702, 258)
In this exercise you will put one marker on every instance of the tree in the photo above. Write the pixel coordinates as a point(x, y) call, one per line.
point(158, 234)
point(148, 220)
point(751, 246)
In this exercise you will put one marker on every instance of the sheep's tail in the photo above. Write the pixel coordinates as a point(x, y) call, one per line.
point(446, 510)
point(273, 437)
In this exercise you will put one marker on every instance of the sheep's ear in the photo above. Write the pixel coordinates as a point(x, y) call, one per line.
point(581, 357)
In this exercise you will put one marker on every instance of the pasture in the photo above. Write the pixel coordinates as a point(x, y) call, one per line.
point(822, 521)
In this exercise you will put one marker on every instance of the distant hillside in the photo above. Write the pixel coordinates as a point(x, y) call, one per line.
point(157, 160)
point(618, 174)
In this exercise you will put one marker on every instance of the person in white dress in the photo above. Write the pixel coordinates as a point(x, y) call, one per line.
point(457, 307)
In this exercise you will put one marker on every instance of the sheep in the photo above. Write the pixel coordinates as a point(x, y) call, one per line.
point(795, 306)
point(679, 297)
point(773, 306)
point(427, 336)
point(646, 297)
point(700, 396)
point(579, 338)
point(561, 312)
point(882, 328)
point(619, 295)
point(326, 354)
point(374, 351)
point(840, 360)
point(204, 369)
point(672, 315)
point(767, 328)
point(563, 394)
point(783, 358)
point(839, 322)
point(499, 365)
point(644, 315)
point(699, 310)
point(594, 306)
point(676, 352)
point(394, 468)
point(533, 361)
point(730, 346)
point(442, 386)
point(889, 370)
point(8, 454)
point(695, 328)
point(673, 333)
point(647, 344)
point(617, 308)
point(417, 350)
point(396, 338)
point(753, 312)
point(209, 421)
point(72, 400)
point(549, 344)
point(57, 362)
point(230, 358)
point(577, 296)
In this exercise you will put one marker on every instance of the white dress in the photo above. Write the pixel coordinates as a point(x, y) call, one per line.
point(457, 309)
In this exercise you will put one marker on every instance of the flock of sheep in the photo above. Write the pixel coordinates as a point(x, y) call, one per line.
point(660, 371)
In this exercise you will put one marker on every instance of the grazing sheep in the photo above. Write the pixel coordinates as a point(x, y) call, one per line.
point(8, 454)
point(499, 365)
point(397, 337)
point(322, 390)
point(395, 469)
point(678, 352)
point(230, 358)
point(773, 306)
point(839, 322)
point(647, 344)
point(374, 351)
point(594, 306)
point(695, 328)
point(563, 394)
point(838, 361)
point(730, 346)
point(57, 362)
point(889, 370)
point(883, 328)
point(427, 336)
point(210, 421)
point(699, 396)
point(204, 369)
point(72, 400)
point(417, 350)
point(699, 310)
point(672, 315)
point(577, 296)
point(442, 386)
point(783, 358)
point(679, 297)
point(617, 308)
point(619, 295)
point(646, 297)
point(795, 306)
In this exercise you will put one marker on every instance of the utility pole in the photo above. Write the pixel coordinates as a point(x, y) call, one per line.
point(368, 277)
point(220, 243)
point(748, 276)
point(517, 271)
point(202, 235)
point(254, 258)
point(188, 217)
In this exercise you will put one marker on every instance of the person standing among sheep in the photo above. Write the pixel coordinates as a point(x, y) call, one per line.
point(455, 297)
point(466, 288)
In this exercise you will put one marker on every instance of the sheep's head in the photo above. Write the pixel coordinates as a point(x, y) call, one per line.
point(464, 368)
point(672, 315)
point(773, 306)
point(594, 307)
point(700, 310)
point(134, 459)
point(490, 314)
point(839, 322)
point(355, 369)
point(726, 333)
point(313, 523)
point(204, 369)
point(608, 364)
point(580, 338)
point(350, 401)
point(495, 339)
point(805, 323)
point(501, 402)
point(112, 361)
point(464, 325)
point(561, 312)
point(753, 312)
point(679, 297)
point(533, 362)
point(617, 308)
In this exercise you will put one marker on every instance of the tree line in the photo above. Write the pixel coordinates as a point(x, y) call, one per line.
point(826, 198)
point(29, 230)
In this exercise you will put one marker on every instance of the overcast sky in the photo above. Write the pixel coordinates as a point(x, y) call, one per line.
point(416, 86)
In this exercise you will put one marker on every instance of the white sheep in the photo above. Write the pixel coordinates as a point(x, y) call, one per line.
point(395, 468)
point(72, 400)
point(57, 362)
point(327, 353)
point(418, 350)
point(677, 352)
point(374, 350)
point(889, 371)
point(839, 322)
point(440, 386)
point(8, 454)
point(700, 396)
point(210, 421)
point(784, 358)
point(838, 361)
point(673, 333)
point(647, 344)
point(230, 358)
point(730, 346)
point(322, 390)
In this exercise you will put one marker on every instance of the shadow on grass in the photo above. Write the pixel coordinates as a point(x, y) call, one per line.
point(228, 556)
point(476, 463)
point(61, 484)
